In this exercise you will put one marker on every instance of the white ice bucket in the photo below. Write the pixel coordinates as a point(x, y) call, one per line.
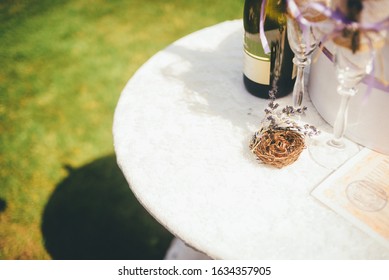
point(368, 118)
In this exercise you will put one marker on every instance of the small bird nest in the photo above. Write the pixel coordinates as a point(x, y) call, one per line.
point(278, 148)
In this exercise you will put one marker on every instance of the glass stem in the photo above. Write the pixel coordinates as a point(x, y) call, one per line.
point(340, 124)
point(299, 85)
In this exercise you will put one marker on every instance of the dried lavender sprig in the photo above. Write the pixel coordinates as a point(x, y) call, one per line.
point(280, 119)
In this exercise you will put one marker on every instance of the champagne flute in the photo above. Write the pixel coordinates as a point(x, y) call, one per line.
point(331, 150)
point(350, 69)
point(304, 34)
point(354, 49)
point(303, 42)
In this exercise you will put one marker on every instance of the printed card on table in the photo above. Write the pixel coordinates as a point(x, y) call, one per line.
point(359, 191)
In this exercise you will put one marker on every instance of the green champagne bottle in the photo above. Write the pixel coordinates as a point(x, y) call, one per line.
point(275, 70)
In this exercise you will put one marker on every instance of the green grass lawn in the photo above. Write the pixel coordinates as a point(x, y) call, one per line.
point(63, 65)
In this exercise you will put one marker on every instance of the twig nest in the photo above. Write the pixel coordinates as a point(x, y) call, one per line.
point(278, 148)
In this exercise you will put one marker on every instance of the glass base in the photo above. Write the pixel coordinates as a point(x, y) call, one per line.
point(330, 156)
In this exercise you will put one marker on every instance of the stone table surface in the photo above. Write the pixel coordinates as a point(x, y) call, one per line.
point(181, 131)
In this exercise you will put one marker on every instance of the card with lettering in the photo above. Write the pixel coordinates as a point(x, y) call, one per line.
point(359, 192)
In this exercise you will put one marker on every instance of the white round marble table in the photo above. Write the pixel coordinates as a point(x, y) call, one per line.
point(181, 131)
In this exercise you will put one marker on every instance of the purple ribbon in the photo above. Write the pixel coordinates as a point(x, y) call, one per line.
point(262, 18)
point(342, 23)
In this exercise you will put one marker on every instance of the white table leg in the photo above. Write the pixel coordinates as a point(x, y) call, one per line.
point(178, 250)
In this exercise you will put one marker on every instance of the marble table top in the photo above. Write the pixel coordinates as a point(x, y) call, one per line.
point(181, 133)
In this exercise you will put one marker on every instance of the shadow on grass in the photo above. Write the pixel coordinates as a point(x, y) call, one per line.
point(93, 214)
point(3, 205)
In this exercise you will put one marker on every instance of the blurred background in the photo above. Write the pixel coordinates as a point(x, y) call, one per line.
point(63, 64)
